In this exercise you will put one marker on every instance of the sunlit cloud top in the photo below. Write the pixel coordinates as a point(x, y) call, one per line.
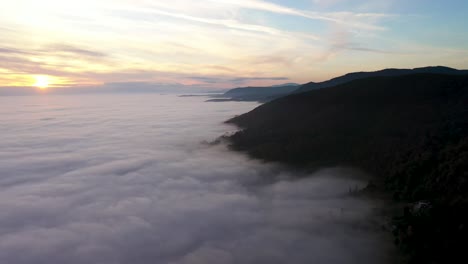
point(223, 43)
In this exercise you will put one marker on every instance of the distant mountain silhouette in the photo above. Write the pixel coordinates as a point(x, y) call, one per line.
point(286, 84)
point(410, 131)
point(261, 94)
point(387, 72)
point(265, 94)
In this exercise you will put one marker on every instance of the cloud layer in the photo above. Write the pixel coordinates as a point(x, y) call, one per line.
point(126, 179)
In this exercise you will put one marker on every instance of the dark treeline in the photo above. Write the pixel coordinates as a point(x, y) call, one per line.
point(410, 131)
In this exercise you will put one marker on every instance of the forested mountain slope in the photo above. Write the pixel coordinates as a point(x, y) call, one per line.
point(410, 131)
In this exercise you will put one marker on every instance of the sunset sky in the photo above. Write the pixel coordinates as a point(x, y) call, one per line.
point(223, 43)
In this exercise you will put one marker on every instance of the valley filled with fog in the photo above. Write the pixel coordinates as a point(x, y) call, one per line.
point(110, 179)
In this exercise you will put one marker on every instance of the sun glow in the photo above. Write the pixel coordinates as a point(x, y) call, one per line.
point(42, 81)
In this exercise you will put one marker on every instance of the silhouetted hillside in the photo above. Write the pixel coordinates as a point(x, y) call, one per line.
point(410, 131)
point(387, 72)
point(261, 94)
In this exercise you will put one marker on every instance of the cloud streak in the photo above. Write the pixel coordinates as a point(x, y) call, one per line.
point(73, 50)
point(337, 17)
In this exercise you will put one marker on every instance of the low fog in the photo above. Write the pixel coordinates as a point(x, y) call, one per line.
point(113, 179)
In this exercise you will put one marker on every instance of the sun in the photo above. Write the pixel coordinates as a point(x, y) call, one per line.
point(42, 81)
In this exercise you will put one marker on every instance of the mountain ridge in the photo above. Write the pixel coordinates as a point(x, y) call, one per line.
point(409, 131)
point(385, 72)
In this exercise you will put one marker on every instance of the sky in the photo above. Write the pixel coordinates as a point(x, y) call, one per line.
point(222, 43)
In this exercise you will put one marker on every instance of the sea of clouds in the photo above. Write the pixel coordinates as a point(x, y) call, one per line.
point(117, 179)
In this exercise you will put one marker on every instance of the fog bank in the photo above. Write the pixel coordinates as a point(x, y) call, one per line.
point(126, 179)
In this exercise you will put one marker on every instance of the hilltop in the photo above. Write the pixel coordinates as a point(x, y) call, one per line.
point(260, 94)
